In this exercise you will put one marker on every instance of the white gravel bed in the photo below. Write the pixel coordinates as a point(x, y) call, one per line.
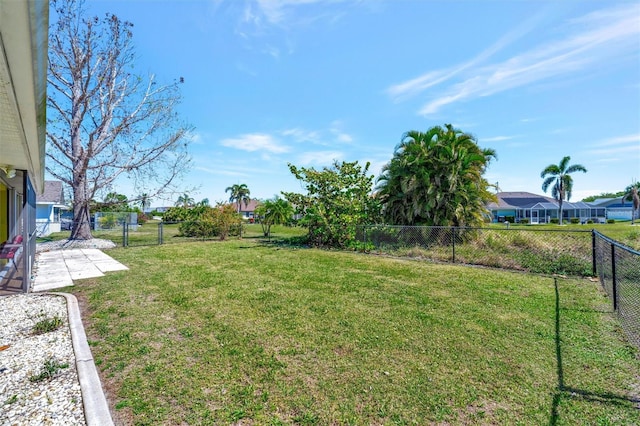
point(96, 243)
point(53, 401)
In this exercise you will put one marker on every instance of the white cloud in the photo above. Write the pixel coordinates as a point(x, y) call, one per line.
point(340, 135)
point(321, 158)
point(222, 171)
point(634, 149)
point(616, 148)
point(432, 78)
point(301, 135)
point(316, 137)
point(497, 138)
point(195, 138)
point(272, 51)
point(262, 14)
point(411, 87)
point(597, 38)
point(619, 140)
point(255, 142)
point(344, 137)
point(278, 12)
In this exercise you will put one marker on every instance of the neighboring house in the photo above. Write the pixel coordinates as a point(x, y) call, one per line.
point(616, 208)
point(49, 205)
point(23, 94)
point(541, 209)
point(163, 209)
point(247, 210)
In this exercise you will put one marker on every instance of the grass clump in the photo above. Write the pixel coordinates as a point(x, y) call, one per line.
point(11, 400)
point(47, 325)
point(49, 369)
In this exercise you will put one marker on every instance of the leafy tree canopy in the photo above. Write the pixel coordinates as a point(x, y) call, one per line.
point(436, 178)
point(558, 178)
point(112, 202)
point(185, 200)
point(205, 221)
point(631, 193)
point(239, 193)
point(603, 195)
point(337, 200)
point(276, 211)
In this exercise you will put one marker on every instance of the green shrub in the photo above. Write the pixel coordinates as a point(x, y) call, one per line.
point(107, 221)
point(589, 221)
point(510, 219)
point(524, 220)
point(575, 220)
point(611, 221)
point(179, 214)
point(554, 220)
point(142, 218)
point(200, 228)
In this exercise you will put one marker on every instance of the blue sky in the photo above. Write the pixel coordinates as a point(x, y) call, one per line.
point(271, 82)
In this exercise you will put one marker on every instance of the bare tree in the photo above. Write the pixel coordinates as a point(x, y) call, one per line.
point(104, 122)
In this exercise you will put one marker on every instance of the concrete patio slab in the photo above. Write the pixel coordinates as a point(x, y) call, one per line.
point(57, 269)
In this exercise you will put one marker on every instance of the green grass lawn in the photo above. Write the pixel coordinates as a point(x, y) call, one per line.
point(243, 332)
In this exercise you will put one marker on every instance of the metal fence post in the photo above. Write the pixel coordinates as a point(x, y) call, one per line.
point(453, 243)
point(593, 253)
point(364, 238)
point(160, 233)
point(124, 234)
point(614, 285)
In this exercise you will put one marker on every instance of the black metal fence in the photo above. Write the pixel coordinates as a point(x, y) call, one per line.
point(156, 233)
point(618, 268)
point(524, 249)
point(585, 253)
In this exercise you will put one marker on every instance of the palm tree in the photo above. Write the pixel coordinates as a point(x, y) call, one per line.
point(277, 211)
point(435, 178)
point(144, 201)
point(631, 194)
point(559, 176)
point(185, 200)
point(239, 193)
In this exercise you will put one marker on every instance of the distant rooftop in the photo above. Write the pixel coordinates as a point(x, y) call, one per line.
point(53, 193)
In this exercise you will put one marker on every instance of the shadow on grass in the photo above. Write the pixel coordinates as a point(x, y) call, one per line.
point(567, 392)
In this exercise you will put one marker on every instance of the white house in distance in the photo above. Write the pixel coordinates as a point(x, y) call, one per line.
point(49, 206)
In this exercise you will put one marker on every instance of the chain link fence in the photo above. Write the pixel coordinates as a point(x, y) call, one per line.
point(618, 269)
point(536, 251)
point(125, 234)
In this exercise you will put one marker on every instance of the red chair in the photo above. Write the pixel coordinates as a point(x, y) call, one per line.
point(9, 250)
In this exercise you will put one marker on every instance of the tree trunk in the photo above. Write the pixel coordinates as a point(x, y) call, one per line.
point(81, 218)
point(560, 213)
